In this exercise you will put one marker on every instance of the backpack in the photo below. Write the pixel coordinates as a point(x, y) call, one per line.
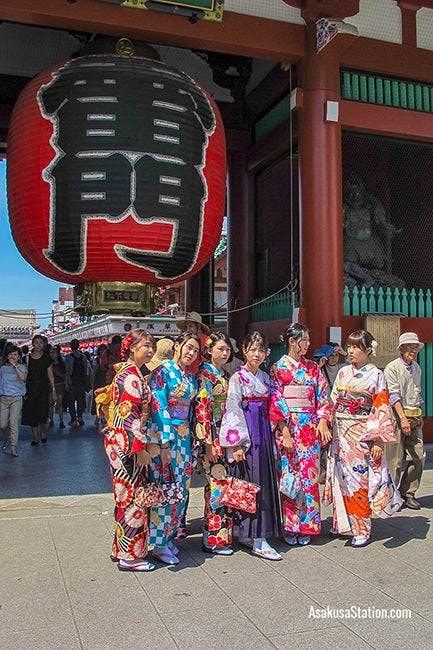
point(79, 375)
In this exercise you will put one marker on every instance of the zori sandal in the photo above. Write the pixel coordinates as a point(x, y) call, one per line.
point(136, 565)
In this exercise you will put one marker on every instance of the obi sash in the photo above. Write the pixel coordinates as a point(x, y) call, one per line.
point(178, 408)
point(354, 404)
point(300, 397)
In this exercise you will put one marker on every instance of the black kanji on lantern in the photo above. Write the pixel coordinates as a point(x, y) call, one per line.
point(130, 137)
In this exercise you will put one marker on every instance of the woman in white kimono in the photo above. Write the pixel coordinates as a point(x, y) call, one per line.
point(358, 481)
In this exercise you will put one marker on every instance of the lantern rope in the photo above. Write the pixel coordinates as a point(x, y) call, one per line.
point(290, 286)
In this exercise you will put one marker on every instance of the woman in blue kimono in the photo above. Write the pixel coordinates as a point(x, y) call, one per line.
point(169, 436)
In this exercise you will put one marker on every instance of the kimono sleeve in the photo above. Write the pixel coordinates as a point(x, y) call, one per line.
point(234, 429)
point(323, 404)
point(278, 409)
point(203, 411)
point(380, 424)
point(128, 409)
point(160, 429)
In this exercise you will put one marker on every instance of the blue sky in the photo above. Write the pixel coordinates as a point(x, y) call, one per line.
point(21, 287)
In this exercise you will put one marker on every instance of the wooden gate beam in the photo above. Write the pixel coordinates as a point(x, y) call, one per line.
point(236, 34)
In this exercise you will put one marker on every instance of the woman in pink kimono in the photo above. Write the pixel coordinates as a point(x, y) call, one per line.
point(358, 481)
point(300, 411)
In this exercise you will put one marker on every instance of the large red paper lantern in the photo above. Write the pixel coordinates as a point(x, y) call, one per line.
point(116, 171)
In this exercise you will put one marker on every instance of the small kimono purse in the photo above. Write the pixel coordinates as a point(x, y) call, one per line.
point(217, 488)
point(149, 495)
point(240, 495)
point(290, 483)
point(172, 489)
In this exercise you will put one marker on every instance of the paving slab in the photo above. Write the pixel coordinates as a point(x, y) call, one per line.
point(59, 589)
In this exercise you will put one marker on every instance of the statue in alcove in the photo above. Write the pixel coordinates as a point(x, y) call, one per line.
point(367, 239)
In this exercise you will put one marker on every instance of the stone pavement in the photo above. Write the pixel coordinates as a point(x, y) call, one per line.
point(58, 588)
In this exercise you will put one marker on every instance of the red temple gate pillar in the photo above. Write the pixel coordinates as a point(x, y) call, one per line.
point(321, 191)
point(240, 229)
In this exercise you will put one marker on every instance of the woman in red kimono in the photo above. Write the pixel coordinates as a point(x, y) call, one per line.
point(300, 411)
point(125, 445)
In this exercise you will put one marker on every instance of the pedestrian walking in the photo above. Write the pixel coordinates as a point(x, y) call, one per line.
point(403, 376)
point(110, 357)
point(13, 375)
point(40, 380)
point(77, 383)
point(59, 373)
point(99, 378)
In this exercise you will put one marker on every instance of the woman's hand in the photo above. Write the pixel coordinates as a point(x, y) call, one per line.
point(211, 453)
point(238, 454)
point(377, 450)
point(165, 455)
point(323, 361)
point(287, 442)
point(143, 457)
point(324, 432)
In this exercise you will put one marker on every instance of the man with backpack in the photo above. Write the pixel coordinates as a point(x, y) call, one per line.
point(77, 383)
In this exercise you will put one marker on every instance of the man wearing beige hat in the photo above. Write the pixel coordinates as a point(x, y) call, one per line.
point(164, 350)
point(193, 323)
point(404, 383)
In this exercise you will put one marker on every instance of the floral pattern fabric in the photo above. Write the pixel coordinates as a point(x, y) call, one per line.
point(173, 391)
point(211, 399)
point(356, 485)
point(246, 423)
point(302, 513)
point(126, 436)
point(243, 384)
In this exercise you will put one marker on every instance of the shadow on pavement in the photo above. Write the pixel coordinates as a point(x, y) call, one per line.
point(73, 462)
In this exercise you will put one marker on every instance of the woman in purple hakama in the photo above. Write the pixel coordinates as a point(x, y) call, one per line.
point(246, 436)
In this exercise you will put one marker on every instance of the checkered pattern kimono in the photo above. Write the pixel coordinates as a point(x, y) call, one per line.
point(172, 393)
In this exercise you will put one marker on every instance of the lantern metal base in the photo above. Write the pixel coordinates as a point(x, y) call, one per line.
point(133, 298)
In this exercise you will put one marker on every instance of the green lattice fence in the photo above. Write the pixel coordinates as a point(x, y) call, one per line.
point(275, 308)
point(412, 303)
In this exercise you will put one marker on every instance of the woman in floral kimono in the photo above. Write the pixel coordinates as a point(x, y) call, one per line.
point(211, 399)
point(246, 436)
point(358, 481)
point(173, 389)
point(300, 411)
point(125, 445)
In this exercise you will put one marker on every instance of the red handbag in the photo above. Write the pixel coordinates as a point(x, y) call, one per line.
point(240, 495)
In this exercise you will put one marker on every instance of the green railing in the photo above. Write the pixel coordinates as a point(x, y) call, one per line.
point(276, 116)
point(387, 91)
point(277, 352)
point(358, 301)
point(412, 303)
point(275, 308)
